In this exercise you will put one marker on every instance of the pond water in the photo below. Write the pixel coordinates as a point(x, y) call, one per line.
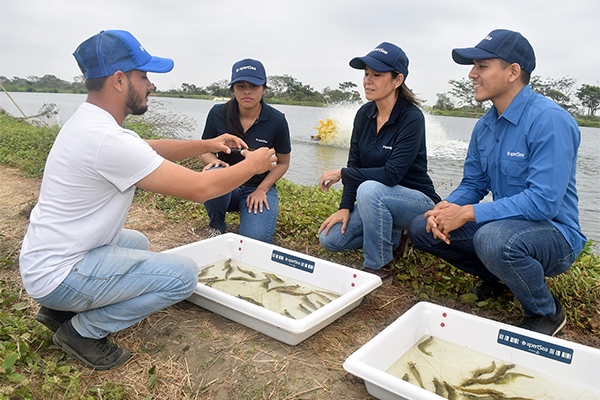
point(447, 142)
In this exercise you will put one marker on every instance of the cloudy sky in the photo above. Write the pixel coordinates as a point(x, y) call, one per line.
point(310, 40)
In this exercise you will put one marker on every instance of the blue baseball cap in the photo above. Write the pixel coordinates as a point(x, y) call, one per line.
point(110, 51)
point(383, 58)
point(248, 70)
point(501, 43)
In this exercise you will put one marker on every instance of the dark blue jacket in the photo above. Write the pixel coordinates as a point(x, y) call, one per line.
point(395, 156)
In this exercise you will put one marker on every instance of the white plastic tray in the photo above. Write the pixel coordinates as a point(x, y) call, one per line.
point(557, 358)
point(352, 284)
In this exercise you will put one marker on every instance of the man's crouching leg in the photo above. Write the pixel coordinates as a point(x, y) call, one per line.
point(112, 289)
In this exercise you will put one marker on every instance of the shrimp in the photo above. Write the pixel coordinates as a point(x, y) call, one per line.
point(287, 314)
point(511, 376)
point(309, 303)
point(497, 375)
point(250, 300)
point(415, 372)
point(247, 272)
point(424, 344)
point(439, 389)
point(275, 278)
point(204, 270)
point(480, 371)
point(451, 391)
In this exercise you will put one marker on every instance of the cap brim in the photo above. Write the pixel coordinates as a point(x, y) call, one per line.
point(157, 64)
point(373, 63)
point(251, 79)
point(467, 55)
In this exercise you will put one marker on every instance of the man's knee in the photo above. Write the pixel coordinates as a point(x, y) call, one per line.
point(418, 230)
point(187, 272)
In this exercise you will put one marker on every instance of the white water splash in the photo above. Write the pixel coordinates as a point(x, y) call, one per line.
point(438, 144)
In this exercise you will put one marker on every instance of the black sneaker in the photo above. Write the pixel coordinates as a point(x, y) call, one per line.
point(53, 319)
point(95, 353)
point(546, 325)
point(489, 290)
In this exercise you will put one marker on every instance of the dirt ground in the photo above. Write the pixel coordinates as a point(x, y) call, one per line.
point(199, 354)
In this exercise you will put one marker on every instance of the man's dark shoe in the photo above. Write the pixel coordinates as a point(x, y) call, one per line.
point(489, 290)
point(403, 246)
point(384, 272)
point(53, 319)
point(546, 325)
point(95, 353)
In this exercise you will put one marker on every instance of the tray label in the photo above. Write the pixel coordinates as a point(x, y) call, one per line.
point(535, 346)
point(293, 261)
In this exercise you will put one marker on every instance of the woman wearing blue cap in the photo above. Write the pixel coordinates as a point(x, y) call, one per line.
point(259, 125)
point(385, 182)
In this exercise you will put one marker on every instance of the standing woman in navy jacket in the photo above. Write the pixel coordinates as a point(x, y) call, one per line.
point(259, 125)
point(385, 182)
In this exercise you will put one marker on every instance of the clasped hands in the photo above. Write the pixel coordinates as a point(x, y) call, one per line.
point(446, 217)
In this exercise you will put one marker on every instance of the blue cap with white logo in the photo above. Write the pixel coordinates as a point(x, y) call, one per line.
point(248, 70)
point(501, 43)
point(385, 57)
point(110, 51)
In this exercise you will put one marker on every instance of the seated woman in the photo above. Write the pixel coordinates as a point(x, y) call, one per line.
point(386, 182)
point(259, 125)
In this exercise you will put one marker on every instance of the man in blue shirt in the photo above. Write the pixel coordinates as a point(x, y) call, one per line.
point(524, 151)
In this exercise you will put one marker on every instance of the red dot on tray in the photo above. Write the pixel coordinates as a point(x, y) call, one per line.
point(354, 276)
point(444, 315)
point(442, 324)
point(239, 248)
point(241, 241)
point(352, 284)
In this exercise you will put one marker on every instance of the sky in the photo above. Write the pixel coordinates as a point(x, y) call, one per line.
point(311, 40)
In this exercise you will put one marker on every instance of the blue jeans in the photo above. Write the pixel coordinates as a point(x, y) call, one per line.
point(116, 286)
point(376, 223)
point(518, 252)
point(259, 226)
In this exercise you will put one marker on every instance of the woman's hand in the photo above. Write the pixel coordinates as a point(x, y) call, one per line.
point(342, 215)
point(214, 164)
point(255, 201)
point(329, 178)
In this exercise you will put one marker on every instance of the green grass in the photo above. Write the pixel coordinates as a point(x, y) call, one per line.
point(32, 367)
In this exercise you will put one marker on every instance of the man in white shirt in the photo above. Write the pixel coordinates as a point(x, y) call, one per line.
point(91, 276)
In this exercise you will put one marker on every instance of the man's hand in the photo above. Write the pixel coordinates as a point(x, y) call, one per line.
point(225, 143)
point(262, 159)
point(329, 178)
point(446, 217)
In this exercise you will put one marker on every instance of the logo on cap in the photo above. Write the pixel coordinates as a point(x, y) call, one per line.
point(246, 67)
point(379, 49)
point(488, 37)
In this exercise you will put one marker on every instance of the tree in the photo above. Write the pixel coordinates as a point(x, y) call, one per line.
point(558, 90)
point(443, 102)
point(343, 95)
point(289, 88)
point(219, 88)
point(590, 97)
point(464, 91)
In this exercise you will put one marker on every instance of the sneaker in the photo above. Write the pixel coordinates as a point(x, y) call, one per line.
point(546, 325)
point(95, 353)
point(214, 233)
point(384, 272)
point(489, 290)
point(53, 319)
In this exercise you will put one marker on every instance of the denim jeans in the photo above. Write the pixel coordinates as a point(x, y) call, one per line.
point(115, 286)
point(518, 252)
point(259, 226)
point(376, 223)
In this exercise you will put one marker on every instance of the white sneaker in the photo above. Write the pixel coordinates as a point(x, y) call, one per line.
point(214, 233)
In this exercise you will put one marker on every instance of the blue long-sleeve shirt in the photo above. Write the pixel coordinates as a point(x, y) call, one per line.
point(527, 158)
point(397, 155)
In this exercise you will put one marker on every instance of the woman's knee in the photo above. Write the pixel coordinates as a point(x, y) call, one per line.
point(418, 230)
point(367, 191)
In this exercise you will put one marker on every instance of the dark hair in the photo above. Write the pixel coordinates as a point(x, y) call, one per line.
point(404, 92)
point(525, 76)
point(231, 115)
